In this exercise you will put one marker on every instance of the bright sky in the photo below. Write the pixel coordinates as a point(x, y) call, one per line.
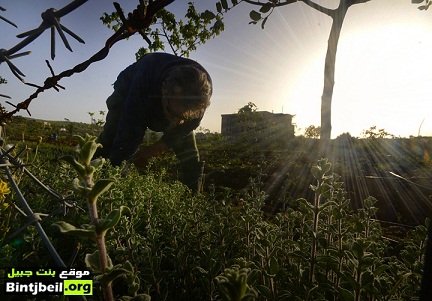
point(383, 64)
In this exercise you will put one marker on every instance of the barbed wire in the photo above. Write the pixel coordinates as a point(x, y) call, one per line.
point(50, 19)
point(6, 20)
point(136, 22)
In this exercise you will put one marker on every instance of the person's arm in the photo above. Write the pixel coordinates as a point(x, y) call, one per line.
point(143, 156)
point(192, 168)
point(132, 125)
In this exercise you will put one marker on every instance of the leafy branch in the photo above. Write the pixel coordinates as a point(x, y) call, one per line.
point(182, 36)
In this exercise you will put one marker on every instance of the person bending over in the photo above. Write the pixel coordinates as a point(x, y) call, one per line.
point(163, 93)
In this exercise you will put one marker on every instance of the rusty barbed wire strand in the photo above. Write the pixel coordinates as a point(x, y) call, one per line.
point(138, 21)
point(50, 19)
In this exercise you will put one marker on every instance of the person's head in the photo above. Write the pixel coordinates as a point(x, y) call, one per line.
point(186, 92)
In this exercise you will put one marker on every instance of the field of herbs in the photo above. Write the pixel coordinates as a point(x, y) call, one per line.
point(166, 243)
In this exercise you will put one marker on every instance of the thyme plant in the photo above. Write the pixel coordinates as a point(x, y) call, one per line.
point(90, 190)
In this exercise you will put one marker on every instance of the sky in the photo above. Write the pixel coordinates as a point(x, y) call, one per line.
point(383, 64)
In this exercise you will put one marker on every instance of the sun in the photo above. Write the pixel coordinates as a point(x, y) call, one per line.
point(377, 76)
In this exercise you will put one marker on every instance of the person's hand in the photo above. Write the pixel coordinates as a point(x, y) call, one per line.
point(144, 155)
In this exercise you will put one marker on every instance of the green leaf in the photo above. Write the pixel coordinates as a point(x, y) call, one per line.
point(303, 203)
point(81, 140)
point(255, 16)
point(128, 266)
point(219, 7)
point(366, 262)
point(328, 203)
point(369, 202)
point(112, 274)
point(133, 288)
point(401, 279)
point(324, 165)
point(350, 279)
point(92, 262)
point(88, 150)
point(97, 163)
point(274, 266)
point(100, 187)
point(224, 4)
point(77, 185)
point(208, 15)
point(366, 279)
point(87, 231)
point(357, 249)
point(316, 172)
point(266, 7)
point(300, 255)
point(380, 269)
point(264, 291)
point(345, 294)
point(112, 219)
point(79, 168)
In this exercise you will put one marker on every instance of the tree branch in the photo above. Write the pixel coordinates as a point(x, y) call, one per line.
point(329, 12)
point(275, 4)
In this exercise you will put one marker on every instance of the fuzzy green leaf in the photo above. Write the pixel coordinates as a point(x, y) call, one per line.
point(112, 219)
point(111, 275)
point(133, 288)
point(100, 187)
point(317, 172)
point(77, 185)
point(128, 266)
point(92, 262)
point(87, 231)
point(327, 204)
point(80, 139)
point(88, 150)
point(97, 163)
point(79, 168)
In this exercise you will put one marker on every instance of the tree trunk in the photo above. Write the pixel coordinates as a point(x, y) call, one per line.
point(329, 75)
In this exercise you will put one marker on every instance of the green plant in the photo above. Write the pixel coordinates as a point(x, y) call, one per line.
point(90, 190)
point(179, 246)
point(5, 211)
point(233, 284)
